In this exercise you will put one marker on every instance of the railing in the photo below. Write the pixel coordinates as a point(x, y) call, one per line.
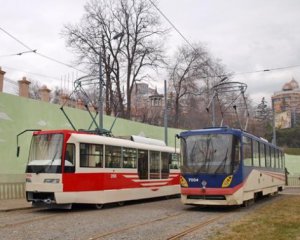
point(294, 180)
point(12, 190)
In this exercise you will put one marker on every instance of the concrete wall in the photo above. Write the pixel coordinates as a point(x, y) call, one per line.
point(19, 113)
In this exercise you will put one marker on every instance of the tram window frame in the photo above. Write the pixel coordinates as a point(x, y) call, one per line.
point(113, 156)
point(93, 157)
point(262, 154)
point(70, 156)
point(155, 164)
point(143, 163)
point(255, 153)
point(247, 148)
point(129, 157)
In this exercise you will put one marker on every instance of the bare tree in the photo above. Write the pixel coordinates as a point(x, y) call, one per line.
point(193, 72)
point(129, 36)
point(34, 90)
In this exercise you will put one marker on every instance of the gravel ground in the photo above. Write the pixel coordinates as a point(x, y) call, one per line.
point(155, 219)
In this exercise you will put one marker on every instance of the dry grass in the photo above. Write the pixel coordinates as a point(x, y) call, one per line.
point(277, 221)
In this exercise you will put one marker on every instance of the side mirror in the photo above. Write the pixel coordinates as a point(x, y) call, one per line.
point(18, 151)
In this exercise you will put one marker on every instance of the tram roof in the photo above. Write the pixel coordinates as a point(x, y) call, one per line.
point(224, 130)
point(211, 131)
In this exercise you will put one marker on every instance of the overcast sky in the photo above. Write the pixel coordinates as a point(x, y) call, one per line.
point(247, 35)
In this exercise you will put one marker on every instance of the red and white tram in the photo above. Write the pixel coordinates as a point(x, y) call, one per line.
point(68, 167)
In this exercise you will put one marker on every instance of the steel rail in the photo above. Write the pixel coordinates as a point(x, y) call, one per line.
point(198, 226)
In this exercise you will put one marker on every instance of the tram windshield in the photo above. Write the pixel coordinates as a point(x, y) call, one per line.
point(210, 153)
point(45, 154)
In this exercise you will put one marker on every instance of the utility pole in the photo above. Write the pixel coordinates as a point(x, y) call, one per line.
point(166, 114)
point(274, 128)
point(100, 103)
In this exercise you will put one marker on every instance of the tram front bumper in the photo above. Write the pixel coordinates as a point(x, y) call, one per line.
point(214, 200)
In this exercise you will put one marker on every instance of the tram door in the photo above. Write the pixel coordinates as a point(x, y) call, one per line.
point(143, 164)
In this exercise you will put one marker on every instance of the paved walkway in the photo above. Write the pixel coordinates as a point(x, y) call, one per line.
point(13, 204)
point(18, 204)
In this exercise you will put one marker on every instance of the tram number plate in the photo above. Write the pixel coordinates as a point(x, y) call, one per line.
point(193, 180)
point(113, 175)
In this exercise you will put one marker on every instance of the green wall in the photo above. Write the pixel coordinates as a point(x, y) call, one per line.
point(18, 114)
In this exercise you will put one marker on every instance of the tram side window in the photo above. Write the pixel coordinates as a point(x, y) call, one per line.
point(271, 157)
point(154, 165)
point(235, 153)
point(262, 155)
point(129, 157)
point(143, 164)
point(175, 161)
point(268, 156)
point(278, 159)
point(165, 170)
point(91, 155)
point(282, 160)
point(113, 156)
point(247, 150)
point(256, 153)
point(70, 158)
point(275, 158)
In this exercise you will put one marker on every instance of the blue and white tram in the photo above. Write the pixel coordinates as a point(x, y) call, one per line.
point(225, 166)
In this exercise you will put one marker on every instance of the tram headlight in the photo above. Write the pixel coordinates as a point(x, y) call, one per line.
point(51, 180)
point(203, 183)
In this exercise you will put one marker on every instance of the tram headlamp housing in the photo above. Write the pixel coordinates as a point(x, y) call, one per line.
point(51, 180)
point(203, 183)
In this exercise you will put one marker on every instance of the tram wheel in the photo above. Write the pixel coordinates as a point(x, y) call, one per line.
point(99, 206)
point(248, 203)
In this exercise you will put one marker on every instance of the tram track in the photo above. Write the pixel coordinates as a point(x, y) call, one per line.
point(176, 236)
point(7, 225)
point(32, 219)
point(198, 226)
point(135, 226)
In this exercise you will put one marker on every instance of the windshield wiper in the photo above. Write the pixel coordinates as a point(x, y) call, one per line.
point(48, 167)
point(223, 163)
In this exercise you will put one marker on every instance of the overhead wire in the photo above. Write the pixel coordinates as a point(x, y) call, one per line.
point(19, 54)
point(188, 42)
point(169, 21)
point(38, 53)
point(32, 73)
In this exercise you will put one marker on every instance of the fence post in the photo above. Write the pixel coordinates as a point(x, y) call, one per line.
point(24, 87)
point(45, 93)
point(1, 79)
